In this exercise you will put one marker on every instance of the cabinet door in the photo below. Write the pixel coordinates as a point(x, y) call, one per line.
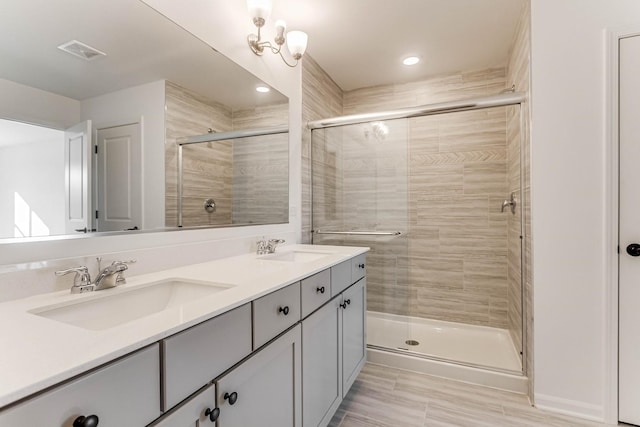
point(321, 365)
point(265, 390)
point(195, 357)
point(195, 412)
point(353, 333)
point(124, 393)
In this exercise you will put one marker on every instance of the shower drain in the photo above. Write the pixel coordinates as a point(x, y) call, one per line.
point(411, 342)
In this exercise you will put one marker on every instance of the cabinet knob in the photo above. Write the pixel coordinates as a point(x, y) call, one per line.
point(320, 289)
point(82, 421)
point(633, 249)
point(232, 398)
point(284, 310)
point(361, 265)
point(212, 414)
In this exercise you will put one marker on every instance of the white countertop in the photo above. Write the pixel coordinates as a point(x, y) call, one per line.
point(36, 352)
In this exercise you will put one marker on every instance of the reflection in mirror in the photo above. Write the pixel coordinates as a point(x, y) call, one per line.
point(85, 140)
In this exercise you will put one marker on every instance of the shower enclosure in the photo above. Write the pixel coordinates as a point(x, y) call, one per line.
point(436, 193)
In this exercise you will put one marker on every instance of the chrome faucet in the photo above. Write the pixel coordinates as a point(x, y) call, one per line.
point(108, 277)
point(111, 276)
point(267, 246)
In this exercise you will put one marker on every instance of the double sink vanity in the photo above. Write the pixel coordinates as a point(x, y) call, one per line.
point(270, 340)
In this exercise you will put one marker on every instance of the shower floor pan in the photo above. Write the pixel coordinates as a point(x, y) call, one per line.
point(475, 354)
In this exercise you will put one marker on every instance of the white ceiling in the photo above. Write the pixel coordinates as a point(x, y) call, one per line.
point(141, 46)
point(361, 43)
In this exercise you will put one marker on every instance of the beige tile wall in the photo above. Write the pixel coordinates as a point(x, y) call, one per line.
point(207, 167)
point(321, 98)
point(247, 178)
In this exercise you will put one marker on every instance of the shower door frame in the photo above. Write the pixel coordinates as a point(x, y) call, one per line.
point(500, 100)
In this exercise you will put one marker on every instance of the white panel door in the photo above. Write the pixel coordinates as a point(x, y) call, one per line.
point(629, 333)
point(119, 178)
point(77, 176)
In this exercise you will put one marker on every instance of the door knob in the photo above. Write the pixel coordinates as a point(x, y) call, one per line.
point(633, 249)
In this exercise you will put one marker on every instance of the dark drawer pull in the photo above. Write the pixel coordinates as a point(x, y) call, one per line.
point(346, 303)
point(284, 310)
point(320, 289)
point(232, 398)
point(90, 421)
point(361, 265)
point(212, 414)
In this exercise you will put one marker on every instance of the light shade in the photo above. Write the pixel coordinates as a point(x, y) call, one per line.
point(297, 43)
point(259, 8)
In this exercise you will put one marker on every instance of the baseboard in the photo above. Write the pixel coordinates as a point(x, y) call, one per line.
point(572, 408)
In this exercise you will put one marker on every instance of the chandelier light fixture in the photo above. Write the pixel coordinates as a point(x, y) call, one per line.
point(296, 40)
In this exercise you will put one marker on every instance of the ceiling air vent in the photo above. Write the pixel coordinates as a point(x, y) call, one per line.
point(81, 50)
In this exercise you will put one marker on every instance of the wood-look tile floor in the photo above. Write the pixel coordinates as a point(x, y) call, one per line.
point(388, 397)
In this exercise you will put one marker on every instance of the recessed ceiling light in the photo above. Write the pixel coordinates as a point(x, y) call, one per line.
point(411, 60)
point(262, 89)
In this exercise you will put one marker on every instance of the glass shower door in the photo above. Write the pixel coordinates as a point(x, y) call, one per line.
point(360, 198)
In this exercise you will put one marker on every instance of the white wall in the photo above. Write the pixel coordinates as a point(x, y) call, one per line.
point(143, 104)
point(35, 171)
point(26, 104)
point(569, 167)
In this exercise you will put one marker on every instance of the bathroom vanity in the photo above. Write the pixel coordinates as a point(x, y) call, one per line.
point(272, 340)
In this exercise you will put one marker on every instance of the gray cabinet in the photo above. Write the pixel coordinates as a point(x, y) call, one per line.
point(199, 411)
point(315, 291)
point(321, 364)
point(265, 390)
point(208, 375)
point(354, 337)
point(195, 357)
point(333, 353)
point(123, 393)
point(274, 313)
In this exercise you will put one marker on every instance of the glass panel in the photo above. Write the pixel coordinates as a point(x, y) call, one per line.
point(449, 287)
point(238, 181)
point(360, 184)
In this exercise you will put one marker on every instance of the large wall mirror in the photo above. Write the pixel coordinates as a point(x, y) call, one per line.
point(115, 119)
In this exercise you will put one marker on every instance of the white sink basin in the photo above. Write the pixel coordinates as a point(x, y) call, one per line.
point(104, 311)
point(297, 256)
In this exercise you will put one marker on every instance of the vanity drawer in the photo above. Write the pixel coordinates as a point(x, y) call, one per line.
point(274, 313)
point(124, 393)
point(358, 267)
point(340, 277)
point(198, 355)
point(315, 291)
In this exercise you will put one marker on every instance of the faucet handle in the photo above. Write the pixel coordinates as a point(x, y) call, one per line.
point(276, 241)
point(121, 266)
point(81, 281)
